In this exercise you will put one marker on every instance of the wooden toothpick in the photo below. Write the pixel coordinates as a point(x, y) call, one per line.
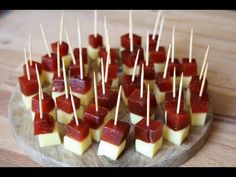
point(180, 93)
point(61, 27)
point(95, 91)
point(58, 61)
point(165, 117)
point(30, 50)
point(131, 31)
point(74, 109)
point(65, 80)
point(160, 34)
point(173, 45)
point(148, 106)
point(80, 53)
point(203, 81)
point(45, 40)
point(117, 106)
point(40, 105)
point(204, 62)
point(167, 62)
point(106, 72)
point(156, 23)
point(135, 65)
point(147, 49)
point(27, 65)
point(102, 72)
point(70, 47)
point(95, 23)
point(174, 82)
point(142, 78)
point(191, 46)
point(39, 82)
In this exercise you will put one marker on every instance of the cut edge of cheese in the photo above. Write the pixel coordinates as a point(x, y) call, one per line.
point(177, 80)
point(51, 113)
point(86, 98)
point(186, 81)
point(188, 97)
point(148, 149)
point(111, 113)
point(129, 71)
point(110, 150)
point(198, 119)
point(134, 118)
point(159, 95)
point(67, 59)
point(93, 52)
point(151, 83)
point(48, 76)
point(159, 67)
point(65, 118)
point(124, 98)
point(27, 100)
point(77, 147)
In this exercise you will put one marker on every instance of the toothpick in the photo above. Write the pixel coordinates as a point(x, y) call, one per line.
point(65, 80)
point(27, 66)
point(148, 105)
point(160, 34)
point(167, 62)
point(156, 23)
point(30, 50)
point(108, 47)
point(142, 78)
point(180, 93)
point(45, 40)
point(95, 91)
point(58, 61)
point(117, 106)
point(95, 23)
point(106, 72)
point(61, 26)
point(80, 52)
point(174, 82)
point(191, 46)
point(70, 47)
point(147, 49)
point(131, 31)
point(204, 62)
point(203, 81)
point(165, 118)
point(173, 45)
point(74, 109)
point(102, 72)
point(40, 105)
point(135, 65)
point(39, 82)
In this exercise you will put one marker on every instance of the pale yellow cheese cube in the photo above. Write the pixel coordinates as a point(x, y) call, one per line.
point(27, 100)
point(67, 59)
point(85, 99)
point(134, 118)
point(186, 81)
point(124, 98)
point(188, 97)
point(148, 149)
point(177, 80)
point(198, 119)
point(111, 113)
point(48, 76)
point(110, 150)
point(93, 52)
point(65, 118)
point(159, 67)
point(129, 71)
point(159, 95)
point(77, 147)
point(56, 94)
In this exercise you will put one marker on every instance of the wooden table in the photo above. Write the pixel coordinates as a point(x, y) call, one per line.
point(214, 28)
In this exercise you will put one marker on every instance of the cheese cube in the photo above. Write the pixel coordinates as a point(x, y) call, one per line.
point(159, 95)
point(124, 98)
point(186, 81)
point(27, 100)
point(50, 139)
point(77, 147)
point(151, 83)
point(176, 137)
point(48, 76)
point(198, 119)
point(111, 113)
point(148, 149)
point(129, 71)
point(85, 99)
point(92, 52)
point(56, 94)
point(134, 118)
point(110, 150)
point(159, 67)
point(177, 80)
point(65, 118)
point(67, 59)
point(188, 97)
point(52, 113)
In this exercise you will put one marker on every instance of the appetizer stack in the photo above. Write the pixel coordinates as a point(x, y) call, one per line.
point(86, 91)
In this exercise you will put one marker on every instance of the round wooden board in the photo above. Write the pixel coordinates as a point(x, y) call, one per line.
point(169, 155)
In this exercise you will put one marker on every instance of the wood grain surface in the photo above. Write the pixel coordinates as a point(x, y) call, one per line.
point(216, 28)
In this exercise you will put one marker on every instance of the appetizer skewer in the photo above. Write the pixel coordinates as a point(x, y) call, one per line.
point(154, 37)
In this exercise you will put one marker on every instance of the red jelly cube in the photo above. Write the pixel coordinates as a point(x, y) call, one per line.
point(103, 54)
point(148, 134)
point(129, 86)
point(43, 125)
point(49, 63)
point(125, 40)
point(80, 132)
point(176, 64)
point(63, 48)
point(138, 105)
point(74, 70)
point(152, 42)
point(84, 55)
point(149, 71)
point(128, 58)
point(81, 86)
point(94, 118)
point(199, 104)
point(66, 105)
point(195, 84)
point(177, 121)
point(158, 56)
point(58, 83)
point(164, 84)
point(112, 71)
point(47, 103)
point(115, 134)
point(28, 87)
point(95, 42)
point(108, 100)
point(32, 69)
point(171, 102)
point(189, 69)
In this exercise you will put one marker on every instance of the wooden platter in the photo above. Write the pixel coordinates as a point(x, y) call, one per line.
point(170, 154)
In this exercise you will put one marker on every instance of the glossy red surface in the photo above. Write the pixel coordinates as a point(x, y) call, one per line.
point(152, 42)
point(112, 71)
point(95, 42)
point(49, 63)
point(58, 83)
point(84, 55)
point(47, 103)
point(149, 70)
point(74, 70)
point(189, 69)
point(103, 54)
point(80, 86)
point(44, 125)
point(32, 69)
point(177, 121)
point(199, 104)
point(159, 56)
point(129, 86)
point(165, 85)
point(108, 100)
point(171, 102)
point(63, 48)
point(66, 105)
point(28, 87)
point(195, 85)
point(128, 58)
point(125, 41)
point(175, 64)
